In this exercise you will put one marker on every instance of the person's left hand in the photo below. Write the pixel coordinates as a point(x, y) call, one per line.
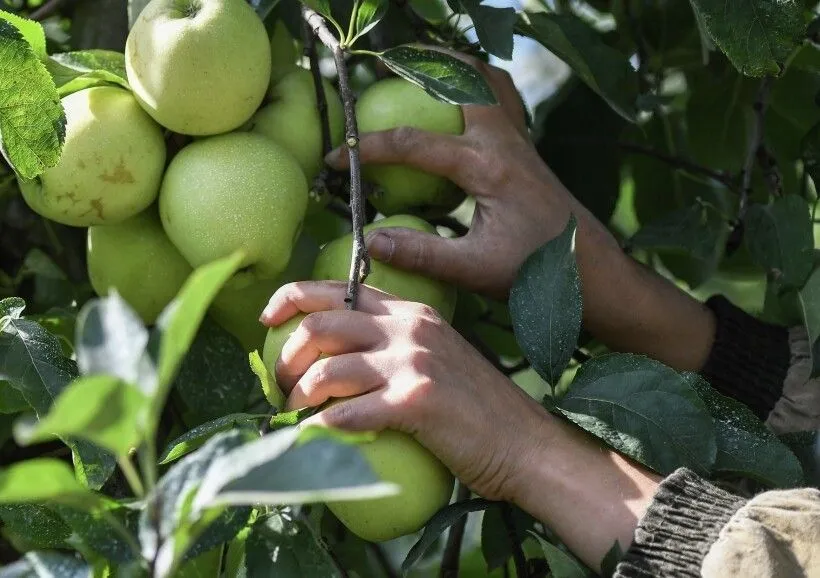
point(405, 368)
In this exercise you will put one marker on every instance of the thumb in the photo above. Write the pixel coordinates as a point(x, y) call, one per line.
point(449, 260)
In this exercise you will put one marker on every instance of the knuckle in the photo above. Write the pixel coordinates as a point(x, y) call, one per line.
point(419, 360)
point(312, 325)
point(403, 140)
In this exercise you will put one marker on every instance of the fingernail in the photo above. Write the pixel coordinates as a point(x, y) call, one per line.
point(266, 314)
point(332, 158)
point(380, 246)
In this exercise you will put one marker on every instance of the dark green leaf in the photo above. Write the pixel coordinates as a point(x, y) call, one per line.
point(223, 529)
point(545, 305)
point(806, 446)
point(369, 14)
point(32, 121)
point(442, 520)
point(215, 378)
point(194, 439)
point(280, 545)
point(745, 446)
point(493, 26)
point(757, 35)
point(696, 230)
point(779, 237)
point(74, 71)
point(495, 536)
point(441, 75)
point(40, 480)
point(263, 7)
point(611, 559)
point(11, 400)
point(277, 470)
point(47, 565)
point(99, 408)
point(32, 32)
point(96, 530)
point(562, 564)
point(601, 67)
point(39, 526)
point(644, 410)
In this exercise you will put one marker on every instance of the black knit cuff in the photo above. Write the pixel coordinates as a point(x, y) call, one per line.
point(749, 359)
point(682, 522)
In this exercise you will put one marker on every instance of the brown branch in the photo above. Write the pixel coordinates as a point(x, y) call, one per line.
point(321, 99)
point(452, 551)
point(726, 180)
point(360, 261)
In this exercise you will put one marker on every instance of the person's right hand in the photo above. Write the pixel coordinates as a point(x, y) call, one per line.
point(520, 204)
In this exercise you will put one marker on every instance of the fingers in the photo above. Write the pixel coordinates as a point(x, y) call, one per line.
point(313, 296)
point(369, 412)
point(451, 260)
point(325, 333)
point(346, 375)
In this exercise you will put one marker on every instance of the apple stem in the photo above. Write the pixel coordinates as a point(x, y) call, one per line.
point(360, 261)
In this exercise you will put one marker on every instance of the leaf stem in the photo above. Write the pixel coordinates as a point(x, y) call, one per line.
point(148, 462)
point(132, 476)
point(452, 551)
point(354, 14)
point(360, 261)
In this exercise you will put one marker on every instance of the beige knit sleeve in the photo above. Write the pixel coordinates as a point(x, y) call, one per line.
point(775, 535)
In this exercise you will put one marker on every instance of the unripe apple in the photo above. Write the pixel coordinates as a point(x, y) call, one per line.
point(282, 53)
point(293, 121)
point(199, 67)
point(334, 263)
point(111, 166)
point(393, 103)
point(425, 483)
point(138, 260)
point(238, 191)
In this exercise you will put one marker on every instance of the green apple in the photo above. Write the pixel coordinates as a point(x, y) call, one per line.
point(396, 102)
point(199, 67)
point(239, 191)
point(237, 310)
point(138, 260)
point(293, 121)
point(111, 166)
point(282, 53)
point(334, 263)
point(425, 483)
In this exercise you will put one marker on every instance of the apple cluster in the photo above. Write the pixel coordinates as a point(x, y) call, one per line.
point(208, 70)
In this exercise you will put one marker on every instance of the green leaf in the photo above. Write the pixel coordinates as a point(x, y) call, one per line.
point(281, 545)
point(99, 408)
point(806, 446)
point(277, 470)
point(32, 361)
point(545, 305)
point(47, 565)
point(644, 410)
point(97, 531)
point(38, 525)
point(75, 71)
point(440, 521)
point(194, 439)
point(745, 445)
point(222, 529)
point(599, 66)
point(780, 238)
point(31, 31)
point(40, 480)
point(320, 6)
point(493, 26)
point(495, 536)
point(696, 230)
point(809, 297)
point(291, 418)
point(215, 378)
point(562, 564)
point(611, 559)
point(757, 35)
point(32, 121)
point(272, 392)
point(441, 75)
point(369, 14)
point(263, 7)
point(11, 400)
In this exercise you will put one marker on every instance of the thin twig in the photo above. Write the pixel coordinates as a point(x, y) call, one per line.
point(640, 45)
point(515, 544)
point(360, 261)
point(755, 141)
point(47, 9)
point(726, 180)
point(452, 551)
point(321, 99)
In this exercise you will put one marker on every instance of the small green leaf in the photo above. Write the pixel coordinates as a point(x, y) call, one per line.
point(47, 565)
point(32, 32)
point(757, 35)
point(441, 75)
point(320, 6)
point(644, 410)
point(601, 67)
point(40, 480)
point(545, 305)
point(440, 521)
point(493, 26)
point(194, 439)
point(562, 564)
point(780, 239)
point(75, 71)
point(695, 230)
point(272, 392)
point(32, 121)
point(290, 418)
point(99, 408)
point(496, 546)
point(369, 14)
point(281, 545)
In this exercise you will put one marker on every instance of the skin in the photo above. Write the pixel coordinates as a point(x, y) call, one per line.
point(392, 103)
point(412, 372)
point(199, 67)
point(111, 166)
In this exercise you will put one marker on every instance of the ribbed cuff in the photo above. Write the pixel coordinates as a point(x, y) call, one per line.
point(681, 524)
point(749, 359)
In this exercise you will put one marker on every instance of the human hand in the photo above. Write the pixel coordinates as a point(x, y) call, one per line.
point(406, 369)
